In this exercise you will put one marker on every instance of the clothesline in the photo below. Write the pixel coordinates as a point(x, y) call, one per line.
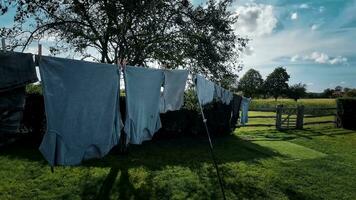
point(190, 78)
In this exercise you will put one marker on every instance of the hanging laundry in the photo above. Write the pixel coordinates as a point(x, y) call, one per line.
point(82, 109)
point(245, 103)
point(205, 90)
point(235, 104)
point(227, 97)
point(223, 95)
point(12, 104)
point(173, 93)
point(218, 94)
point(16, 70)
point(143, 88)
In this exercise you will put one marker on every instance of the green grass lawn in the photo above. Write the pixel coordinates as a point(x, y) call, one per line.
point(256, 163)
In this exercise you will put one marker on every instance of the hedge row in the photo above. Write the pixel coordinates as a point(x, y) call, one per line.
point(346, 110)
point(186, 121)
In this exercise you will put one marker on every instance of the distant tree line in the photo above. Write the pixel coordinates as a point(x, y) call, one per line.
point(337, 92)
point(276, 85)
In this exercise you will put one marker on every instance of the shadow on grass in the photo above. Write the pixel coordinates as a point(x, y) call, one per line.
point(187, 152)
point(125, 187)
point(184, 151)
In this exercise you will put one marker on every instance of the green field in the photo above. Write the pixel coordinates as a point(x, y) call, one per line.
point(269, 103)
point(318, 162)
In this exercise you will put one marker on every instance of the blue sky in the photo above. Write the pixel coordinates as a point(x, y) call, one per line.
point(314, 40)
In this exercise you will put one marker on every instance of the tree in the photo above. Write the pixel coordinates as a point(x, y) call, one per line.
point(171, 32)
point(276, 83)
point(328, 93)
point(351, 93)
point(338, 88)
point(250, 83)
point(346, 89)
point(297, 91)
point(338, 92)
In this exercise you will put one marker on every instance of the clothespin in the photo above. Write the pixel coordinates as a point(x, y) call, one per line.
point(3, 44)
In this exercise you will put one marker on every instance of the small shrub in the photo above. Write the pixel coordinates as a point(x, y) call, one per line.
point(34, 89)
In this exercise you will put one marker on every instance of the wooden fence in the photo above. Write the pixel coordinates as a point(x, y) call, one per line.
point(293, 117)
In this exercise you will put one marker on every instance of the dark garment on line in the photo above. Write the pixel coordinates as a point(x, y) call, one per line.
point(82, 110)
point(16, 70)
point(12, 104)
point(235, 115)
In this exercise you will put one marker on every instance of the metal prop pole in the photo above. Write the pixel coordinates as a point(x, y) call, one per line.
point(211, 150)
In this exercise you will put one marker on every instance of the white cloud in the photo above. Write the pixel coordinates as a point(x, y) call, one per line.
point(287, 43)
point(255, 20)
point(338, 60)
point(294, 16)
point(295, 58)
point(304, 6)
point(320, 58)
point(314, 27)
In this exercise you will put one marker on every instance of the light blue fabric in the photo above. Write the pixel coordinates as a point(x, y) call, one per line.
point(218, 94)
point(245, 103)
point(82, 109)
point(173, 93)
point(223, 95)
point(227, 96)
point(143, 88)
point(205, 90)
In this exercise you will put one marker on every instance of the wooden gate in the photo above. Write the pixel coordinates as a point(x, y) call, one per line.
point(286, 117)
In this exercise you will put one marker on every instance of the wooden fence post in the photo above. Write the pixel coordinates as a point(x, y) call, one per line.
point(279, 110)
point(338, 114)
point(300, 117)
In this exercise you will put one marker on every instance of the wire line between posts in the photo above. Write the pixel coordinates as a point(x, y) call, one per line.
point(211, 149)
